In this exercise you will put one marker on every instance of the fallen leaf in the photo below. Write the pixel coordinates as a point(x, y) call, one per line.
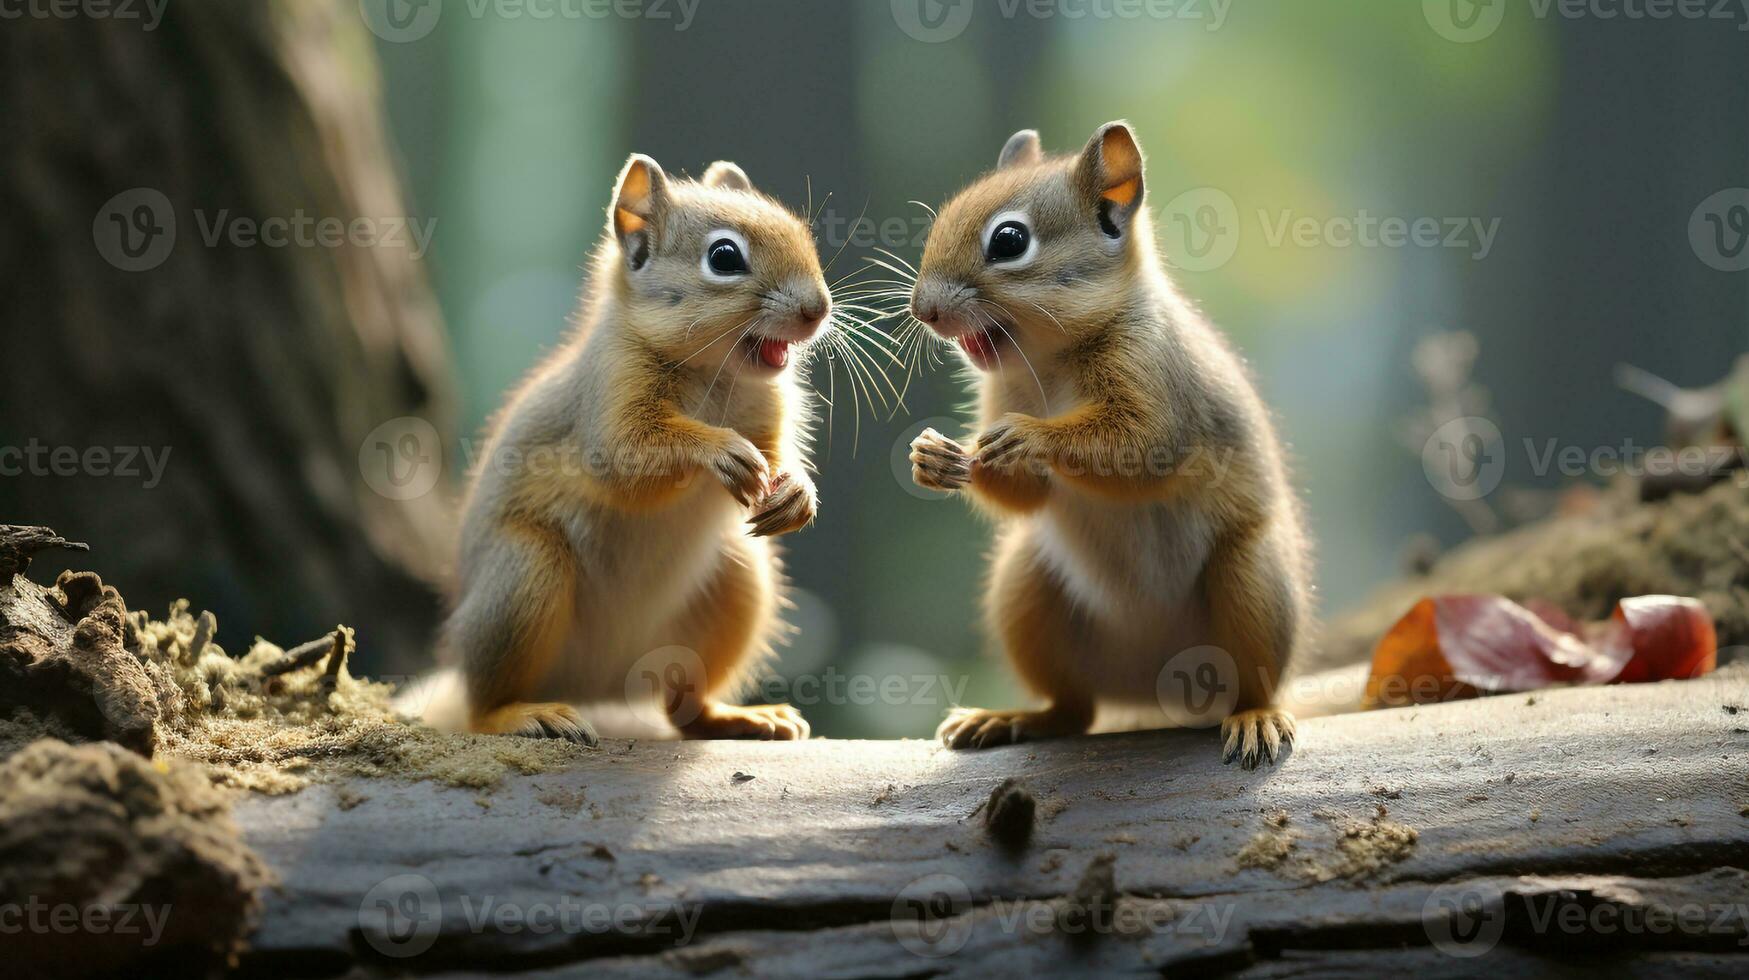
point(1460, 646)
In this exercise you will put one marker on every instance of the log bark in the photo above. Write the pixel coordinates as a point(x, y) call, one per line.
point(134, 325)
point(842, 858)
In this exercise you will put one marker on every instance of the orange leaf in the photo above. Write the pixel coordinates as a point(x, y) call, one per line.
point(1458, 646)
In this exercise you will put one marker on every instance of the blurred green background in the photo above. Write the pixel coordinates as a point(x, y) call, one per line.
point(1585, 143)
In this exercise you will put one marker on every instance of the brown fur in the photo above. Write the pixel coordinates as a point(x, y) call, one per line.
point(671, 429)
point(1103, 391)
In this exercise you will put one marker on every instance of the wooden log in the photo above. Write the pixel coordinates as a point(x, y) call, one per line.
point(870, 859)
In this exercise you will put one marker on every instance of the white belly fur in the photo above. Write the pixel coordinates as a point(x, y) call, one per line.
point(643, 572)
point(1133, 571)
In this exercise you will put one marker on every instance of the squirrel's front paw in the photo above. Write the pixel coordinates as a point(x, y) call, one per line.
point(1008, 442)
point(790, 506)
point(741, 468)
point(939, 463)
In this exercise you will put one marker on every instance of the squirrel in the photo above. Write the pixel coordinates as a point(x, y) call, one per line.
point(1106, 403)
point(616, 537)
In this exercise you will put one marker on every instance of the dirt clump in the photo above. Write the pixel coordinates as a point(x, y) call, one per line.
point(123, 860)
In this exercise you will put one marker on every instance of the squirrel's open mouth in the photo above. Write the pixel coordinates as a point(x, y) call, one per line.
point(769, 351)
point(979, 345)
point(983, 345)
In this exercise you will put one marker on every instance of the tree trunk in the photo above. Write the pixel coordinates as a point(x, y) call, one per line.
point(197, 374)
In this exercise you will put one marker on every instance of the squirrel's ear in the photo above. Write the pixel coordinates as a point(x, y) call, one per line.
point(638, 201)
point(726, 175)
point(1110, 175)
point(1022, 149)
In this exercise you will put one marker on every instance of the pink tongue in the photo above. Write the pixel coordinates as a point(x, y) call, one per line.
point(775, 353)
point(978, 345)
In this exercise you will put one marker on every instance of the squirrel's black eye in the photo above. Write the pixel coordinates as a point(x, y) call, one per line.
point(1008, 241)
point(725, 259)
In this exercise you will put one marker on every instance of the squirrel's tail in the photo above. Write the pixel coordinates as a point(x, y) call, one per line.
point(1337, 691)
point(438, 699)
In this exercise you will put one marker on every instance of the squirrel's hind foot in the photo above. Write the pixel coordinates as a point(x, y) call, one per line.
point(978, 728)
point(538, 720)
point(1250, 735)
point(774, 722)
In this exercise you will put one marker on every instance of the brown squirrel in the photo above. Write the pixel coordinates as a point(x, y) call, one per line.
point(608, 521)
point(1102, 397)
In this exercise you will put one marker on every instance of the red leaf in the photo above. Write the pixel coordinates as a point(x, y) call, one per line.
point(1459, 646)
point(1668, 637)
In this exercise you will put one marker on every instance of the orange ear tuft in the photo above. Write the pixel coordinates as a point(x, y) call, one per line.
point(638, 198)
point(1121, 157)
point(1109, 173)
point(626, 223)
point(1125, 193)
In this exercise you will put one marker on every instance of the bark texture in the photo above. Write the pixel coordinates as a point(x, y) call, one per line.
point(134, 328)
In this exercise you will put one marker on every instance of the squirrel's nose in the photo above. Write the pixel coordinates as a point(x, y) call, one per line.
point(926, 311)
point(814, 310)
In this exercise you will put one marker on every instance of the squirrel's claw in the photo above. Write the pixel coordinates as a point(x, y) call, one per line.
point(741, 469)
point(1004, 443)
point(790, 506)
point(939, 463)
point(771, 722)
point(1250, 735)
